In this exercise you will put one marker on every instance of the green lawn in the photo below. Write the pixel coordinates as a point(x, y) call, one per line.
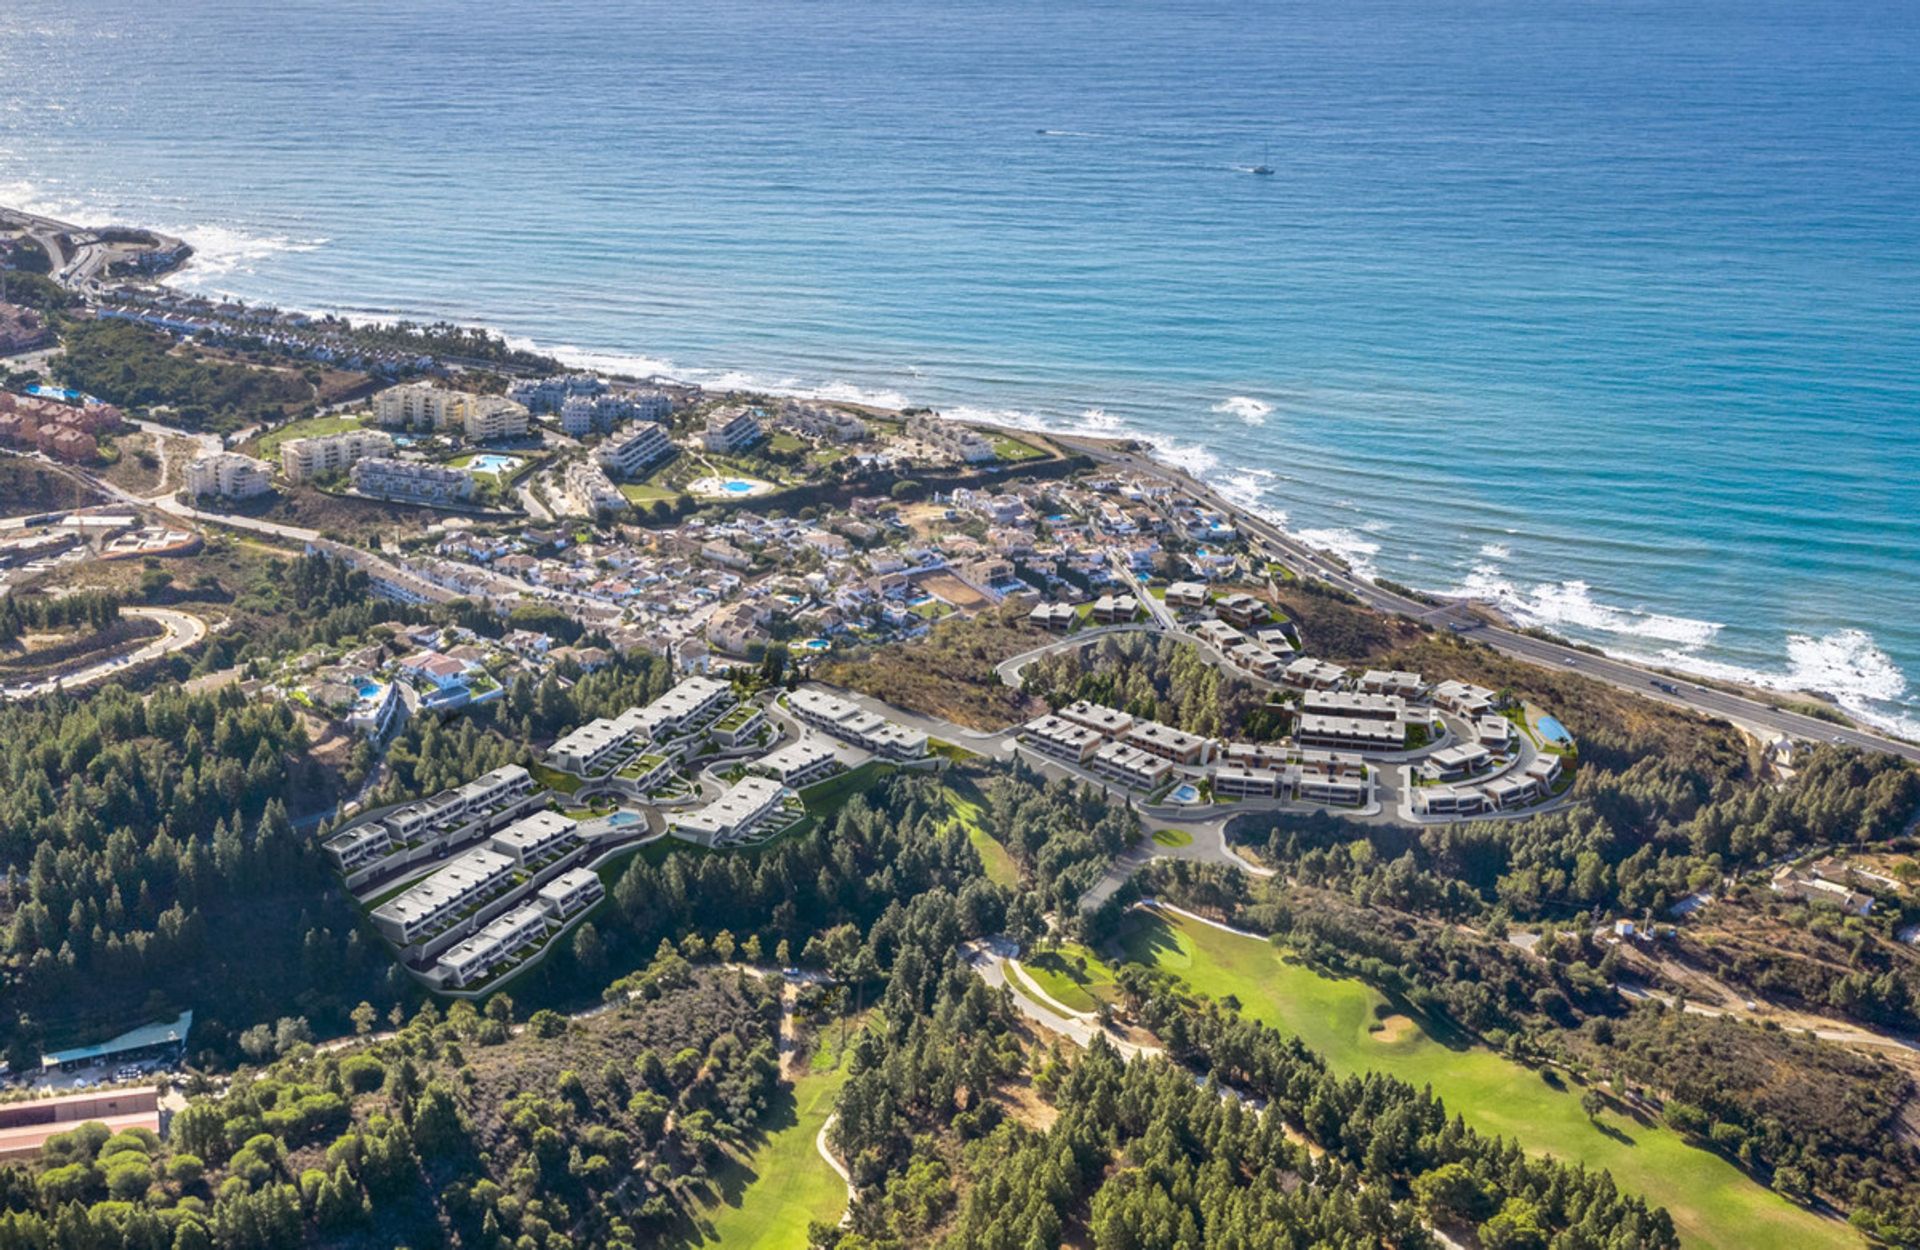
point(1712, 1202)
point(554, 779)
point(1013, 450)
point(1072, 976)
point(968, 805)
point(267, 446)
point(767, 1195)
point(1173, 837)
point(647, 492)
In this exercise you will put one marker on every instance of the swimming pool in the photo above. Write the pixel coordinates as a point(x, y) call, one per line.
point(623, 817)
point(735, 486)
point(1552, 730)
point(492, 462)
point(57, 392)
point(370, 689)
point(816, 644)
point(1185, 793)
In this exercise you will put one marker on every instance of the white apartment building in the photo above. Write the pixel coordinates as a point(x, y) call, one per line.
point(593, 744)
point(1062, 739)
point(489, 417)
point(628, 455)
point(229, 475)
point(589, 490)
point(534, 837)
point(1130, 766)
point(571, 892)
point(731, 430)
point(412, 481)
point(852, 723)
point(442, 896)
point(958, 440)
point(798, 764)
point(734, 814)
point(302, 459)
point(502, 939)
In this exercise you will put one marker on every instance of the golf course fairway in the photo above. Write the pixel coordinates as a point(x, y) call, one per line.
point(767, 1195)
point(1712, 1202)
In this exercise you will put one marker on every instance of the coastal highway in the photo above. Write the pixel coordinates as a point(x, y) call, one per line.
point(1304, 560)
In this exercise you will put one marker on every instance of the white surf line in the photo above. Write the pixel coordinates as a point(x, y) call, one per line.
point(839, 1168)
point(1033, 987)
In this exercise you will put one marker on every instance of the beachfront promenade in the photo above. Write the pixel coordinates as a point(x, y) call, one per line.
point(1305, 561)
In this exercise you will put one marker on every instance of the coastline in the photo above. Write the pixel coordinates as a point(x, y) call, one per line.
point(1142, 454)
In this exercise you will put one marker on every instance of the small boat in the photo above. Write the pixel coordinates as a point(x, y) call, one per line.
point(1263, 169)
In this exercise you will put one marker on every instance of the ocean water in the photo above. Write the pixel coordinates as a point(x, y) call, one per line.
point(1607, 312)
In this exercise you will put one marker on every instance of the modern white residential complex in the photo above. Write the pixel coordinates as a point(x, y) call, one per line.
point(734, 814)
point(852, 723)
point(502, 939)
point(429, 827)
point(412, 481)
point(229, 475)
point(303, 459)
point(798, 764)
point(442, 897)
point(597, 742)
point(630, 454)
point(732, 430)
point(1060, 738)
point(491, 417)
point(424, 406)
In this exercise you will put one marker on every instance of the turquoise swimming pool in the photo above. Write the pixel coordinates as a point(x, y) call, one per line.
point(1552, 730)
point(493, 462)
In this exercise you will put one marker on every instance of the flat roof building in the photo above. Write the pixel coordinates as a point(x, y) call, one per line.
point(505, 936)
point(1130, 766)
point(1186, 595)
point(302, 459)
point(534, 837)
point(734, 814)
point(630, 455)
point(1175, 745)
point(1456, 761)
point(1310, 674)
point(855, 724)
point(441, 897)
point(1353, 704)
point(1512, 791)
point(1062, 739)
point(1464, 698)
point(1448, 801)
point(798, 764)
point(1389, 681)
point(1110, 722)
point(1245, 782)
point(570, 892)
point(1350, 732)
point(229, 475)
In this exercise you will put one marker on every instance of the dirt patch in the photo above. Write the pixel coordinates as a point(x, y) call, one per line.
point(1024, 1103)
point(947, 587)
point(1392, 1029)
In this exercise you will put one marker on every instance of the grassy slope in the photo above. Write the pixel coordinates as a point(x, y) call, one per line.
point(769, 1195)
point(968, 805)
point(1712, 1202)
point(1073, 975)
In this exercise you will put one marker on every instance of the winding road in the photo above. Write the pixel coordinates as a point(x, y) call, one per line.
point(182, 630)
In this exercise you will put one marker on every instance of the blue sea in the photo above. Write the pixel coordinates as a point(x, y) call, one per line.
point(1606, 311)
